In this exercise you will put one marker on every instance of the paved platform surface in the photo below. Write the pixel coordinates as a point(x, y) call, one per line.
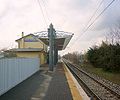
point(58, 88)
point(43, 85)
point(24, 90)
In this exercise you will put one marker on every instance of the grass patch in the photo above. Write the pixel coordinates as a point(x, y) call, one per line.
point(114, 77)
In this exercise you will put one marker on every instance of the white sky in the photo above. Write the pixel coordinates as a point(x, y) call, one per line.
point(66, 15)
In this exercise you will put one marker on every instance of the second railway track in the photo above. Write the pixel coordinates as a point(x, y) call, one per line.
point(96, 89)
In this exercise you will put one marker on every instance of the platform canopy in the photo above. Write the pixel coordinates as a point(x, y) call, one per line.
point(61, 40)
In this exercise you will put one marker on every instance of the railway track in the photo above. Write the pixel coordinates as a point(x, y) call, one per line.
point(94, 88)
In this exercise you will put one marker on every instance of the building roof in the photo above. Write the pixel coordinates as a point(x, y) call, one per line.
point(24, 37)
point(27, 49)
point(61, 40)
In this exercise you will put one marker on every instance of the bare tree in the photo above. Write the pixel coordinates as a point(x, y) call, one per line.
point(3, 49)
point(7, 53)
point(73, 57)
point(114, 34)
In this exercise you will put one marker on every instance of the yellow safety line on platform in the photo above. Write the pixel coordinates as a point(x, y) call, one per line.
point(74, 91)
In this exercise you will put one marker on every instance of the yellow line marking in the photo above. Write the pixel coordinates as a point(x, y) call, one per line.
point(74, 91)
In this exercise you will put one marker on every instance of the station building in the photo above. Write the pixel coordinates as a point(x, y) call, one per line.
point(30, 46)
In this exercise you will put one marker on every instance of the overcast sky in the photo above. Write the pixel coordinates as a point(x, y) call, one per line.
point(18, 16)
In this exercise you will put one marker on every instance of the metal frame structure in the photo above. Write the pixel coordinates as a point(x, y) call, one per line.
point(56, 40)
point(59, 34)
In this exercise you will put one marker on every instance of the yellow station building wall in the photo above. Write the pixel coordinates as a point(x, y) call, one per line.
point(40, 55)
point(31, 42)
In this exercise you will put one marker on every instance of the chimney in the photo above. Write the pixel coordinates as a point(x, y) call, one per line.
point(23, 40)
point(22, 34)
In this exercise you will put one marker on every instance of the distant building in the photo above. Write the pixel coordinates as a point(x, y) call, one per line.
point(31, 46)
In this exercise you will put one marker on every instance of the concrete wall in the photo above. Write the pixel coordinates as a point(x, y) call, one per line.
point(40, 55)
point(29, 44)
point(43, 58)
point(15, 70)
point(33, 45)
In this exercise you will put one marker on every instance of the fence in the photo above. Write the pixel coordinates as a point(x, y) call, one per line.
point(15, 70)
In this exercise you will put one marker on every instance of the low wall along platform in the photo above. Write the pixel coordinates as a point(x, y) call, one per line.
point(15, 70)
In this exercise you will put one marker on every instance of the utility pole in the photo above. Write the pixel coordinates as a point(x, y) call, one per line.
point(51, 36)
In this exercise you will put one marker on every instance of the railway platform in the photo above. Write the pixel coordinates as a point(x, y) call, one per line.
point(46, 85)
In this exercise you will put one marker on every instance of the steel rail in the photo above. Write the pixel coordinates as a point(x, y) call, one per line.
point(106, 87)
point(93, 95)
